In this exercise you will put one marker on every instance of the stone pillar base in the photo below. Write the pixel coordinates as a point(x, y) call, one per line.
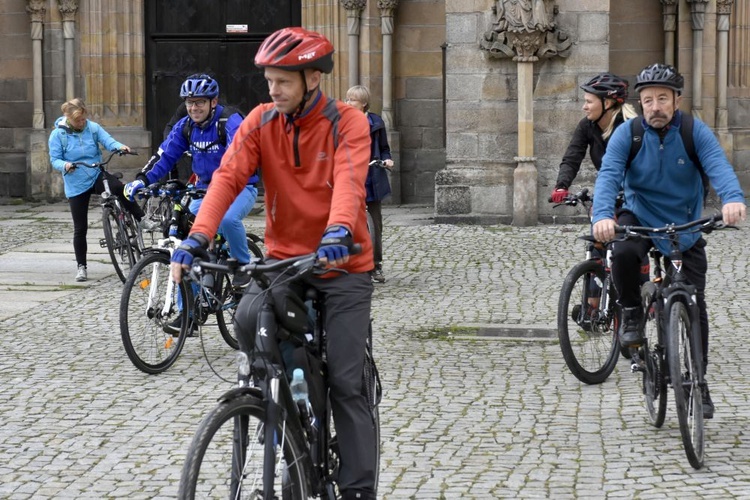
point(479, 194)
point(39, 172)
point(525, 208)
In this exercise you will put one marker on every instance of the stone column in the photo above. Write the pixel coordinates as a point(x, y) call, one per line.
point(37, 11)
point(697, 19)
point(723, 10)
point(68, 9)
point(387, 7)
point(669, 13)
point(525, 207)
point(354, 10)
point(37, 158)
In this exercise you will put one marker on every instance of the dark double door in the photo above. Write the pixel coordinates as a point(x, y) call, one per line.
point(219, 37)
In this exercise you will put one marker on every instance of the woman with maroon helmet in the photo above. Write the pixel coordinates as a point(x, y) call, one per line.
point(605, 109)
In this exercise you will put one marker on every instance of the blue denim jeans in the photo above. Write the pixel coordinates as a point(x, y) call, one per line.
point(231, 225)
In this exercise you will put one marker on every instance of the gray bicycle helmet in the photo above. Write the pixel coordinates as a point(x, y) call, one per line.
point(199, 85)
point(659, 75)
point(607, 86)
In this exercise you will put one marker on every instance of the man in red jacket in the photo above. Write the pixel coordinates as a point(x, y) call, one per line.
point(314, 152)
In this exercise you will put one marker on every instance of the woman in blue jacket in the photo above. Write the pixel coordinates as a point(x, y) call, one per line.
point(376, 185)
point(75, 138)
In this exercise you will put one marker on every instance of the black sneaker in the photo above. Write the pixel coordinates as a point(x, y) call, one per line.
point(708, 405)
point(630, 329)
point(240, 280)
point(582, 321)
point(377, 276)
point(173, 328)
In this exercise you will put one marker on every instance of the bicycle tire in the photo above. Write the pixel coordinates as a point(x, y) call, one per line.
point(684, 363)
point(590, 349)
point(210, 467)
point(255, 250)
point(654, 374)
point(230, 299)
point(371, 230)
point(148, 346)
point(118, 245)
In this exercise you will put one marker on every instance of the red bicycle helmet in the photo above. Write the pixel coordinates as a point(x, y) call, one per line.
point(294, 49)
point(607, 86)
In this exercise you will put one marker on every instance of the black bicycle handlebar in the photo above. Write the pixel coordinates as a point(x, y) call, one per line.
point(707, 224)
point(101, 164)
point(303, 264)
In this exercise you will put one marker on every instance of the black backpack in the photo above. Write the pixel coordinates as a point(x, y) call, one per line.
point(221, 126)
point(686, 132)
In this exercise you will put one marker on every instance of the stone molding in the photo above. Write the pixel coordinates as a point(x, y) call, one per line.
point(68, 9)
point(525, 31)
point(37, 10)
point(724, 7)
point(697, 13)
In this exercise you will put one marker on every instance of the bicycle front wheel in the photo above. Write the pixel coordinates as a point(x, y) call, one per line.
point(225, 459)
point(118, 243)
point(225, 316)
point(685, 362)
point(148, 309)
point(587, 333)
point(652, 355)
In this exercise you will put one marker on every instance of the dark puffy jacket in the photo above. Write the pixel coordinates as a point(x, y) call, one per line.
point(377, 184)
point(587, 135)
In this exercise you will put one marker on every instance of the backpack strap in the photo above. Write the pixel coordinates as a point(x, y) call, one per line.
point(221, 128)
point(686, 131)
point(636, 129)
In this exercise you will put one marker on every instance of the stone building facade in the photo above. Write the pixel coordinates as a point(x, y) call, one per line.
point(478, 131)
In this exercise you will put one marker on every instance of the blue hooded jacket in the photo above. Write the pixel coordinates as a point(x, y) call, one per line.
point(205, 148)
point(662, 185)
point(67, 145)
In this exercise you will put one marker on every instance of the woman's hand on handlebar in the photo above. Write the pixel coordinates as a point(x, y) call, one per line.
point(604, 230)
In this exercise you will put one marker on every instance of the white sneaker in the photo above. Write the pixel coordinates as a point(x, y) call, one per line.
point(81, 274)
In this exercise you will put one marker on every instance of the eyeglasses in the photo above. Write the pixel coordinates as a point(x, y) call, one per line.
point(200, 103)
point(351, 99)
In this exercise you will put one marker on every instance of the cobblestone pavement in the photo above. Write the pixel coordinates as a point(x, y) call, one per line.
point(462, 416)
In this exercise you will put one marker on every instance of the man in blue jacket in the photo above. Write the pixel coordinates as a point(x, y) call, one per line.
point(662, 186)
point(205, 133)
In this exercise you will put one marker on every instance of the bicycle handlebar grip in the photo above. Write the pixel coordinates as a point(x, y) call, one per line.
point(356, 248)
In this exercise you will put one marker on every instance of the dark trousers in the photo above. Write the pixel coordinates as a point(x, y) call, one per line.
point(79, 210)
point(626, 262)
point(376, 212)
point(346, 301)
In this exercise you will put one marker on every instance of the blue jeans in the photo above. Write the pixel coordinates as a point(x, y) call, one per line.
point(231, 225)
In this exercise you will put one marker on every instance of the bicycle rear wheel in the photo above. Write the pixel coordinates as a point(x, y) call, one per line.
point(118, 241)
point(587, 334)
point(143, 316)
point(685, 362)
point(225, 458)
point(654, 374)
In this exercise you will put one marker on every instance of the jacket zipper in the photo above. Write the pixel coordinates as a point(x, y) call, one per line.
point(297, 162)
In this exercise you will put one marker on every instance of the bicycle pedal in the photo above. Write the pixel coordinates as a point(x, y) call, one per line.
point(103, 243)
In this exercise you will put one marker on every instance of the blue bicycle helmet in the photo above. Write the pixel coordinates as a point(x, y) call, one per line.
point(199, 85)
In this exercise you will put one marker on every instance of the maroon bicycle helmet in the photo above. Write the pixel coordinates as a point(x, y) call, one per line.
point(659, 75)
point(607, 86)
point(295, 49)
